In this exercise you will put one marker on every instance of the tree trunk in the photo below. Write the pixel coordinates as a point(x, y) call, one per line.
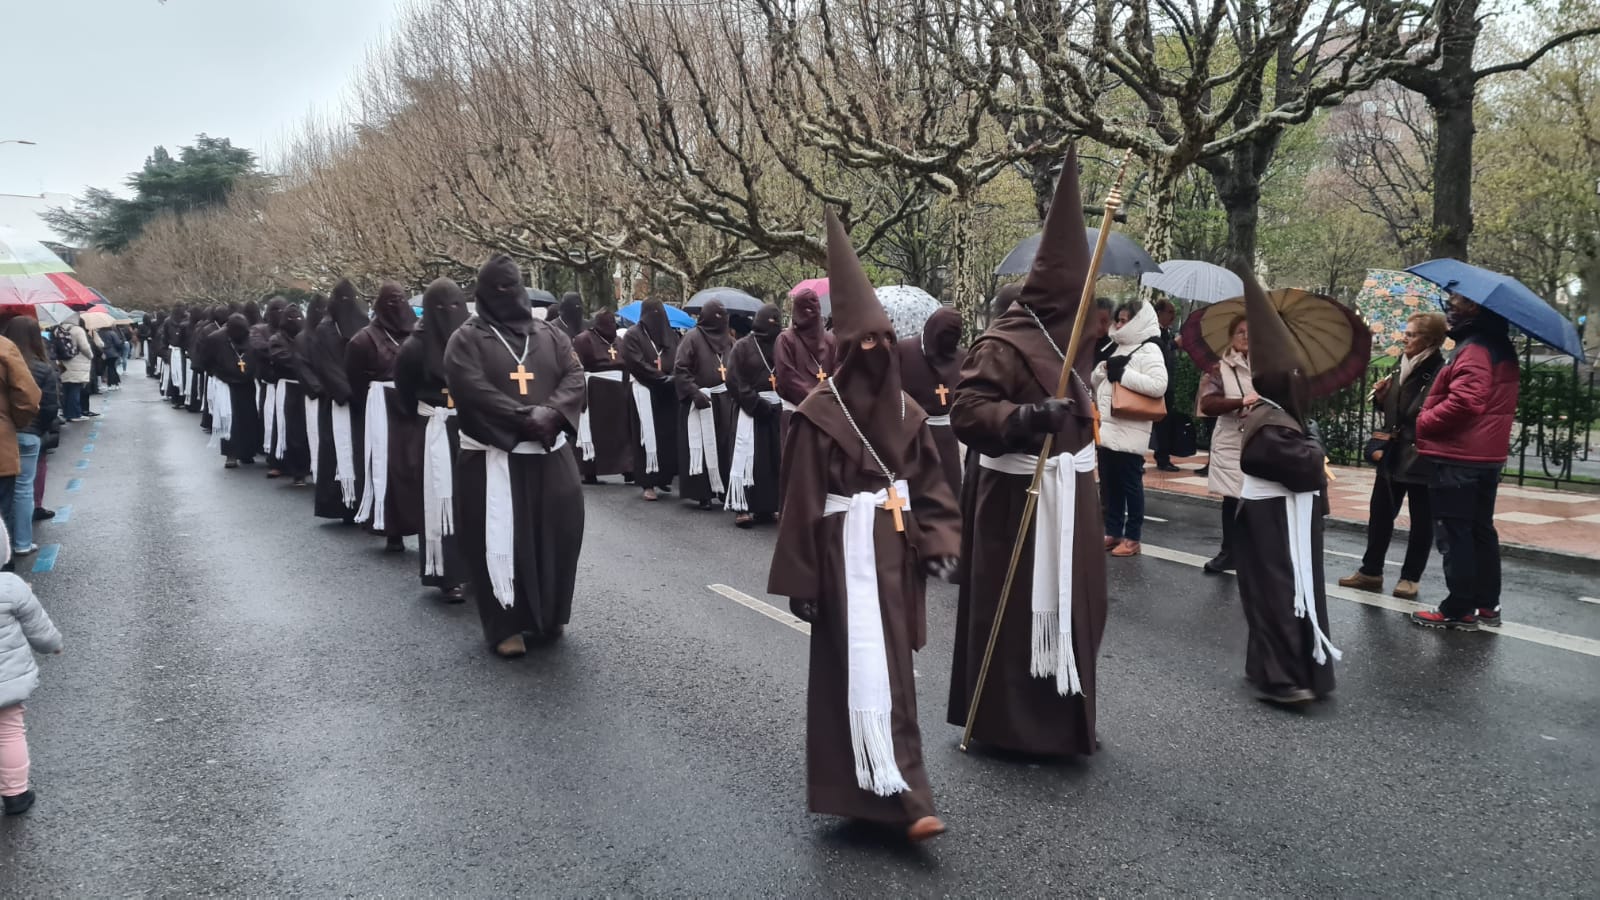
point(966, 290)
point(1237, 179)
point(1452, 171)
point(1161, 219)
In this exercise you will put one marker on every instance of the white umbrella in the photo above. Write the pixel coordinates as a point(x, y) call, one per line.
point(908, 307)
point(20, 256)
point(1192, 279)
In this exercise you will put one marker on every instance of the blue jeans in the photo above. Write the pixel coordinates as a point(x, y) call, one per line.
point(1122, 489)
point(72, 399)
point(21, 522)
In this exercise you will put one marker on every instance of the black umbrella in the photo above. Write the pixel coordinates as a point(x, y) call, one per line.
point(1122, 256)
point(733, 300)
point(538, 297)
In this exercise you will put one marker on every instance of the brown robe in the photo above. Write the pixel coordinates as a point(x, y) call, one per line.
point(699, 365)
point(1019, 712)
point(296, 461)
point(613, 421)
point(796, 365)
point(546, 496)
point(922, 380)
point(325, 363)
point(749, 374)
point(370, 357)
point(650, 363)
point(413, 383)
point(1278, 655)
point(821, 457)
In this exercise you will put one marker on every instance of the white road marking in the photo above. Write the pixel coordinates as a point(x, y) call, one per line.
point(1150, 518)
point(1556, 639)
point(1595, 600)
point(763, 607)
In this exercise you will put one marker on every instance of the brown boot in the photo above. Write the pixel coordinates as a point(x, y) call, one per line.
point(1361, 581)
point(925, 828)
point(1126, 548)
point(512, 647)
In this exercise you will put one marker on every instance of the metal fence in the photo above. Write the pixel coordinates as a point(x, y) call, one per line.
point(1556, 411)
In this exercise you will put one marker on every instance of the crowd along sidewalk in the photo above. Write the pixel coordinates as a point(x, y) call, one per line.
point(1534, 522)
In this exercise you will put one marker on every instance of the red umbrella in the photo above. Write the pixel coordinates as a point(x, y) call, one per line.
point(56, 287)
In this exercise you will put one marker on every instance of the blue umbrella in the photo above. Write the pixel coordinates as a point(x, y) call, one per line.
point(676, 317)
point(1508, 297)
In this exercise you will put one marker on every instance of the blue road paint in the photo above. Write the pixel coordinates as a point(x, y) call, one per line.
point(74, 485)
point(63, 515)
point(81, 464)
point(46, 560)
point(88, 448)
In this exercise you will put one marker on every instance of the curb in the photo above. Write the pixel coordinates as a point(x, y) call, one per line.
point(1572, 561)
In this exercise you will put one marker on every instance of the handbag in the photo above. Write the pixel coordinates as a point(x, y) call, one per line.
point(1127, 403)
point(1377, 446)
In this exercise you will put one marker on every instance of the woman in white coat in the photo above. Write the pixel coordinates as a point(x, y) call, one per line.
point(1137, 364)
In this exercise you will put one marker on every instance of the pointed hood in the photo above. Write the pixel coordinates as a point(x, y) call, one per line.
point(346, 311)
point(1054, 285)
point(856, 310)
point(315, 310)
point(501, 300)
point(1278, 372)
point(392, 312)
point(444, 309)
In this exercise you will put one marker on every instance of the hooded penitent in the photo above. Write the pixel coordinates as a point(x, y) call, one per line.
point(290, 321)
point(501, 301)
point(807, 321)
point(392, 313)
point(941, 337)
point(714, 323)
point(219, 315)
point(605, 325)
point(275, 308)
point(767, 326)
point(444, 309)
point(315, 310)
point(1276, 368)
point(346, 311)
point(653, 316)
point(570, 313)
point(251, 310)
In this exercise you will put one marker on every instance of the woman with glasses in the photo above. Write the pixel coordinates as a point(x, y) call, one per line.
point(1402, 473)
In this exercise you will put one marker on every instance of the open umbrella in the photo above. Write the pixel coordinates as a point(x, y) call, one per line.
point(94, 321)
point(1122, 256)
point(538, 297)
point(19, 256)
point(1506, 296)
point(820, 286)
point(1333, 341)
point(733, 300)
point(55, 287)
point(908, 307)
point(1387, 299)
point(676, 317)
point(1193, 279)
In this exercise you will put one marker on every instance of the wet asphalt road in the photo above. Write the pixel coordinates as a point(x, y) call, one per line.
point(253, 703)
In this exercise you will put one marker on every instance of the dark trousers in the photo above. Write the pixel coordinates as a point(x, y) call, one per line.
point(1387, 496)
point(1230, 524)
point(113, 377)
point(8, 498)
point(1463, 514)
point(72, 399)
point(1163, 434)
point(1122, 487)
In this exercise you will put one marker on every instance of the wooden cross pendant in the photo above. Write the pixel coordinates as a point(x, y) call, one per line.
point(658, 364)
point(522, 376)
point(944, 395)
point(449, 401)
point(896, 505)
point(821, 375)
point(613, 352)
point(773, 380)
point(722, 371)
point(241, 365)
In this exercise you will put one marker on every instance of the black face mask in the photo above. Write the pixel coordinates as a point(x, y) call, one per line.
point(291, 321)
point(768, 323)
point(605, 325)
point(713, 318)
point(238, 329)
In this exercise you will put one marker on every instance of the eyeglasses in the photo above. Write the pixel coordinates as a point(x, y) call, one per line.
point(1411, 334)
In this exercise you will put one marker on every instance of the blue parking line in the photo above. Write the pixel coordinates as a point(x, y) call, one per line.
point(81, 464)
point(46, 560)
point(63, 514)
point(74, 485)
point(88, 448)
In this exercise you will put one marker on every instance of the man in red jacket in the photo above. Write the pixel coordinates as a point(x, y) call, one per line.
point(1465, 428)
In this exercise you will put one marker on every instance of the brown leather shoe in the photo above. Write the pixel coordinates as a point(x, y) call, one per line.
point(1111, 543)
point(1127, 548)
point(925, 828)
point(512, 647)
point(1361, 581)
point(1405, 590)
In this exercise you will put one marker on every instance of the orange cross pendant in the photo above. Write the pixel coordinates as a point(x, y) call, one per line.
point(522, 376)
point(944, 394)
point(896, 505)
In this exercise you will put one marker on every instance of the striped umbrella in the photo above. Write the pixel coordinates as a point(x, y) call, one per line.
point(19, 256)
point(55, 287)
point(1333, 341)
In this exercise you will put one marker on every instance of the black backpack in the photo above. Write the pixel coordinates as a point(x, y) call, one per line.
point(62, 347)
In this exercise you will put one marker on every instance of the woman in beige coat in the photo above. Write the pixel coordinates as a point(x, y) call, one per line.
point(1226, 393)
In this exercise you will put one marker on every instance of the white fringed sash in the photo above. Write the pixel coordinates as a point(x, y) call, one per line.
point(585, 430)
point(221, 412)
point(269, 417)
point(344, 453)
point(1298, 508)
point(313, 435)
point(438, 486)
point(742, 471)
point(499, 521)
point(647, 427)
point(376, 456)
point(280, 412)
point(939, 421)
point(703, 440)
point(179, 377)
point(1053, 532)
point(869, 698)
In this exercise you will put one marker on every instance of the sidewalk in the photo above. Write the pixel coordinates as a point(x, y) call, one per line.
point(1534, 521)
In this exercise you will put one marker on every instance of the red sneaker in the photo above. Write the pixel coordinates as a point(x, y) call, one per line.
point(1432, 618)
point(1489, 617)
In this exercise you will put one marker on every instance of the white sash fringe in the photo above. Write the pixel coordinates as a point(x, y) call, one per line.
point(269, 417)
point(344, 453)
point(438, 487)
point(376, 456)
point(221, 413)
point(940, 421)
point(499, 521)
point(742, 471)
point(1053, 532)
point(1298, 509)
point(313, 435)
point(647, 427)
point(179, 377)
point(870, 700)
point(585, 431)
point(280, 409)
point(703, 440)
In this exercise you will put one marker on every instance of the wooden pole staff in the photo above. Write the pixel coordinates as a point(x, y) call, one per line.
point(1113, 202)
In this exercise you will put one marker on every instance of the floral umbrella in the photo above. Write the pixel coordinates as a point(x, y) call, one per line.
point(908, 307)
point(1387, 299)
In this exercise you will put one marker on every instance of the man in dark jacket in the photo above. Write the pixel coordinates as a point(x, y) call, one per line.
point(1465, 429)
point(1164, 434)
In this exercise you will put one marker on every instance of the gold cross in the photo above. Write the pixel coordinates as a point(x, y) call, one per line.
point(722, 370)
point(449, 401)
point(613, 352)
point(522, 376)
point(773, 380)
point(241, 365)
point(943, 393)
point(821, 375)
point(896, 504)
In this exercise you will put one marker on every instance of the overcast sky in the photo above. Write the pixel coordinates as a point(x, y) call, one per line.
point(99, 83)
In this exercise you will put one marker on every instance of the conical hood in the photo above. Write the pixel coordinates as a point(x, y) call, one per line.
point(1055, 283)
point(1278, 372)
point(856, 310)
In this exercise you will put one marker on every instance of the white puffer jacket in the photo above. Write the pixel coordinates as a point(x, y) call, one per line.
point(24, 629)
point(1146, 374)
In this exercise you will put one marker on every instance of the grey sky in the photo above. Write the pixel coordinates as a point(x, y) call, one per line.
point(99, 83)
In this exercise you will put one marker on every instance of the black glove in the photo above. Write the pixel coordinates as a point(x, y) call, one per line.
point(1115, 366)
point(701, 401)
point(804, 609)
point(1048, 417)
point(544, 425)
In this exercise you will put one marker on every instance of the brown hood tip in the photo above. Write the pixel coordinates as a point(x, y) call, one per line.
point(856, 310)
point(1062, 264)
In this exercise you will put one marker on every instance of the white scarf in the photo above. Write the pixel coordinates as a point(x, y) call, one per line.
point(585, 430)
point(376, 456)
point(269, 416)
point(499, 519)
point(1409, 363)
point(161, 370)
point(647, 427)
point(869, 698)
point(742, 471)
point(221, 413)
point(438, 487)
point(1297, 509)
point(703, 440)
point(280, 412)
point(1053, 556)
point(344, 453)
point(313, 435)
